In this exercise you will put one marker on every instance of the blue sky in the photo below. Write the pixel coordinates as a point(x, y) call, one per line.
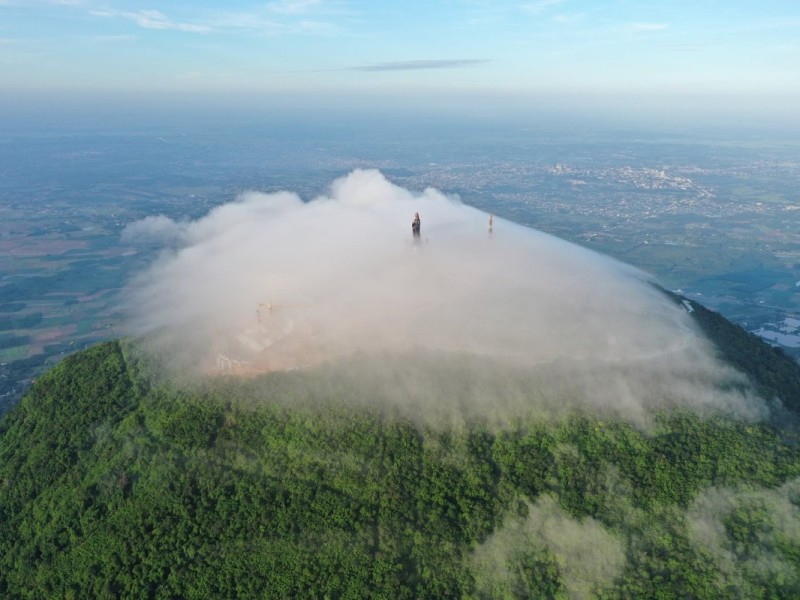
point(319, 48)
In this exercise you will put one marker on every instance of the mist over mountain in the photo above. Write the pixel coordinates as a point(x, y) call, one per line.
point(323, 299)
point(314, 402)
point(270, 282)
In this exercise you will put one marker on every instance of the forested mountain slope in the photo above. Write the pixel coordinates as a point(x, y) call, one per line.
point(115, 484)
point(772, 371)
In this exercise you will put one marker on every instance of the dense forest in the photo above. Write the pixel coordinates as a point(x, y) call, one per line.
point(116, 483)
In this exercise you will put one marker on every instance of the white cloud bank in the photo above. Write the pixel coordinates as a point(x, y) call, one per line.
point(343, 276)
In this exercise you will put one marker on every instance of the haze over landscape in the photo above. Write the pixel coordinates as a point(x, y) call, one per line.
point(271, 282)
point(228, 367)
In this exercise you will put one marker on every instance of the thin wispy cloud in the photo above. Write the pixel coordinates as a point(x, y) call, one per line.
point(768, 24)
point(262, 24)
point(152, 19)
point(313, 27)
point(535, 8)
point(586, 43)
point(252, 22)
point(644, 27)
point(111, 39)
point(292, 7)
point(418, 65)
point(682, 47)
point(29, 3)
point(569, 18)
point(266, 22)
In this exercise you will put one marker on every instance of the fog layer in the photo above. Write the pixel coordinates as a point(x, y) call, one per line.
point(271, 282)
point(586, 556)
